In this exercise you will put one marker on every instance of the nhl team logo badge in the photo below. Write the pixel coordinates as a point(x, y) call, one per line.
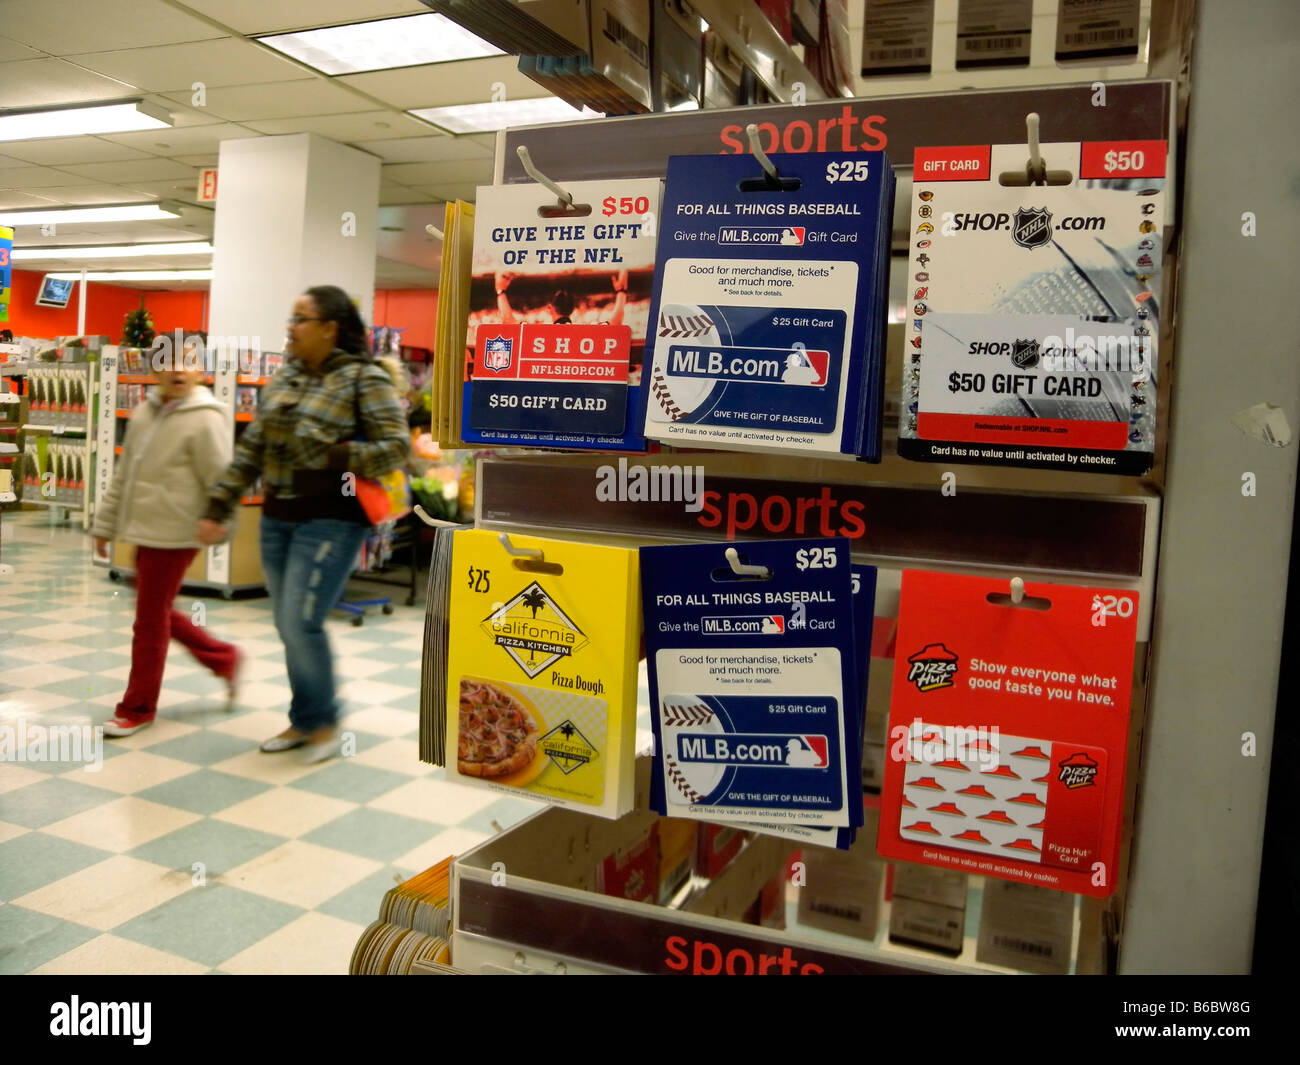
point(1032, 227)
point(1024, 353)
point(498, 353)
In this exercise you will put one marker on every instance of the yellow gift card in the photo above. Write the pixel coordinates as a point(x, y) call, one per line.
point(542, 669)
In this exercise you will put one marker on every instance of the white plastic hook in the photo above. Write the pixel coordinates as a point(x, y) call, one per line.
point(565, 199)
point(751, 131)
point(1017, 590)
point(743, 569)
point(519, 552)
point(423, 515)
point(434, 232)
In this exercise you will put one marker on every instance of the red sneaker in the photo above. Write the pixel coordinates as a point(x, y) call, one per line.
point(126, 726)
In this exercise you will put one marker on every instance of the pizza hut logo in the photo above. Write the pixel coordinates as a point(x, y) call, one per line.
point(1078, 771)
point(1024, 353)
point(498, 353)
point(932, 668)
point(1032, 227)
point(533, 630)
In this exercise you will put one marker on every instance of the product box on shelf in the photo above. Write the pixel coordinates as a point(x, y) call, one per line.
point(928, 908)
point(1033, 312)
point(632, 872)
point(841, 889)
point(1026, 927)
point(716, 846)
point(677, 848)
point(769, 305)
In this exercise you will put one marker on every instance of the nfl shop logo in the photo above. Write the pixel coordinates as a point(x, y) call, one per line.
point(1032, 227)
point(498, 353)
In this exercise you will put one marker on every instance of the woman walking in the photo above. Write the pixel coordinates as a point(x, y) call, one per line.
point(177, 444)
point(330, 415)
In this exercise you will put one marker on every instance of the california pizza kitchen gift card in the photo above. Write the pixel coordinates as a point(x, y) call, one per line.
point(1033, 311)
point(542, 670)
point(1008, 730)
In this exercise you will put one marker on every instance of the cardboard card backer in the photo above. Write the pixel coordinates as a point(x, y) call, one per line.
point(1034, 312)
point(1008, 730)
point(558, 309)
point(768, 305)
point(541, 670)
point(753, 684)
point(1026, 927)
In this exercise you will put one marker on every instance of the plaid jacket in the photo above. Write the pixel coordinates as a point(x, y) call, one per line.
point(307, 433)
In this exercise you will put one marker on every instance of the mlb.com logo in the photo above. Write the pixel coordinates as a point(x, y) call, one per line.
point(773, 751)
point(498, 354)
point(749, 624)
point(790, 236)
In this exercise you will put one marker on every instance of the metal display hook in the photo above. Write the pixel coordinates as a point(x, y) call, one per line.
point(565, 199)
point(434, 232)
point(756, 149)
point(520, 552)
point(1017, 590)
point(437, 523)
point(743, 569)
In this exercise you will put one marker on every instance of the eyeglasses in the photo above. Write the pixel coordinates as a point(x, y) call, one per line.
point(298, 319)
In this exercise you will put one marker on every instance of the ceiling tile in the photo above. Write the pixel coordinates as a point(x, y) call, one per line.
point(436, 149)
point(452, 191)
point(311, 96)
point(277, 16)
point(365, 125)
point(182, 189)
point(101, 193)
point(57, 151)
point(392, 195)
point(469, 81)
point(187, 140)
point(87, 25)
point(154, 168)
point(11, 200)
point(479, 172)
point(197, 160)
point(39, 177)
point(49, 82)
point(183, 113)
point(174, 67)
point(11, 50)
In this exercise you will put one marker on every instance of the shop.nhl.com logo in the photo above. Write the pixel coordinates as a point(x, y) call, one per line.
point(1078, 771)
point(1024, 353)
point(932, 668)
point(1032, 227)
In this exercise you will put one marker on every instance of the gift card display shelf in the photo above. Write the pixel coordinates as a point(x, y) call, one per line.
point(229, 569)
point(57, 415)
point(524, 900)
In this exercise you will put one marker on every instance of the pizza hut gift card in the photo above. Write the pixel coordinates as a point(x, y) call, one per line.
point(1008, 729)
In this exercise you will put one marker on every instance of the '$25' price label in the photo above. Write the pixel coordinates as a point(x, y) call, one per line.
point(814, 558)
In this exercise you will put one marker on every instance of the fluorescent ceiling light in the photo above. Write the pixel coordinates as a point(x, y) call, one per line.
point(125, 212)
point(488, 117)
point(75, 121)
point(381, 45)
point(197, 247)
point(134, 275)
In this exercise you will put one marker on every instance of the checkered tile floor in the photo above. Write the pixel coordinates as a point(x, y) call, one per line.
point(188, 850)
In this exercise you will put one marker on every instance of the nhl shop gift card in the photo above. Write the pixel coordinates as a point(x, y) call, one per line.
point(768, 312)
point(542, 665)
point(1008, 729)
point(1034, 310)
point(557, 315)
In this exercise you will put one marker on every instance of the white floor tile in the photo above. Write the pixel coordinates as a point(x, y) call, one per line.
point(121, 825)
point(400, 756)
point(281, 768)
point(14, 776)
point(301, 874)
point(123, 888)
point(138, 770)
point(312, 944)
point(8, 831)
point(383, 720)
point(109, 955)
point(449, 842)
point(288, 812)
point(435, 801)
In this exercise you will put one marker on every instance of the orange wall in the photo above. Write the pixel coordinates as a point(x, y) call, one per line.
point(106, 308)
point(414, 310)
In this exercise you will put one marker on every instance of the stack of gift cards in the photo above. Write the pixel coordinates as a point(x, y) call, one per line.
point(449, 354)
point(558, 310)
point(770, 304)
point(757, 664)
point(512, 27)
point(414, 926)
point(433, 660)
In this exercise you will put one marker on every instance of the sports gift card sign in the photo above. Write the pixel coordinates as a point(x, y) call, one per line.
point(542, 671)
point(754, 687)
point(1033, 311)
point(1008, 728)
point(557, 315)
point(768, 312)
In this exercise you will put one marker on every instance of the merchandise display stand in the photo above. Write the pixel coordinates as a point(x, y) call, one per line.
point(230, 569)
point(52, 427)
point(524, 901)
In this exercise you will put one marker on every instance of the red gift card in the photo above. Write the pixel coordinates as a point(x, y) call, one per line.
point(1008, 728)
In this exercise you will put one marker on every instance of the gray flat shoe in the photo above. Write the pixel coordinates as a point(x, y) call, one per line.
point(323, 751)
point(276, 744)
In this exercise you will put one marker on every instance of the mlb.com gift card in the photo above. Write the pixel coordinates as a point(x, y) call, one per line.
point(1034, 311)
point(753, 684)
point(558, 310)
point(1008, 728)
point(769, 305)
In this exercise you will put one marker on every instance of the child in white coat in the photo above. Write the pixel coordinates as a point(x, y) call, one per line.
point(177, 444)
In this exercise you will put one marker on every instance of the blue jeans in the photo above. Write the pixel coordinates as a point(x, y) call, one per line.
point(307, 565)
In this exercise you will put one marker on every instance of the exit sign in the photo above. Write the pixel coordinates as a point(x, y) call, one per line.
point(208, 184)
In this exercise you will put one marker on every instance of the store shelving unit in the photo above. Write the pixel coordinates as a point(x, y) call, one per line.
point(59, 415)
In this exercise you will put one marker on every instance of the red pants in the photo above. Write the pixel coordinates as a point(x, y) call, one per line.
point(158, 579)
